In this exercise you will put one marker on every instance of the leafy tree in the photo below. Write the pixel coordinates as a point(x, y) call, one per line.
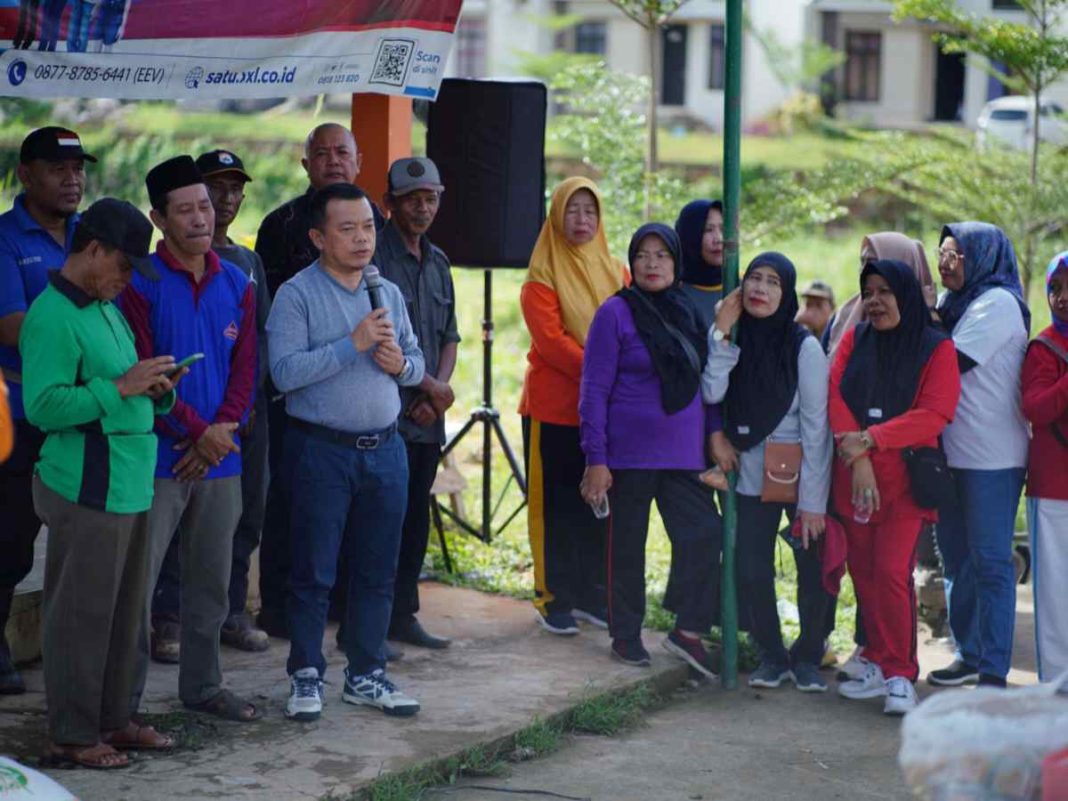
point(652, 15)
point(1026, 56)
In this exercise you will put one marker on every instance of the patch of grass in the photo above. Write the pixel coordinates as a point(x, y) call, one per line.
point(479, 761)
point(400, 787)
point(610, 714)
point(538, 739)
point(190, 730)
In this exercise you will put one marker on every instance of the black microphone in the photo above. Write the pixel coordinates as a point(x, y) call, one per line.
point(373, 278)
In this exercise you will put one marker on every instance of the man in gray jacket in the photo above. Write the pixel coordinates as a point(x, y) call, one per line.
point(340, 351)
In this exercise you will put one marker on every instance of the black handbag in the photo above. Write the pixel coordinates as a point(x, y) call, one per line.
point(931, 482)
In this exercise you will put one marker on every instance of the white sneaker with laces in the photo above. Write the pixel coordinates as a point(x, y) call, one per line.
point(305, 695)
point(900, 696)
point(870, 685)
point(853, 668)
point(374, 689)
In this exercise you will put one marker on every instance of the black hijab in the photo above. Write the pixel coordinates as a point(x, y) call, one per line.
point(654, 312)
point(884, 369)
point(764, 382)
point(690, 226)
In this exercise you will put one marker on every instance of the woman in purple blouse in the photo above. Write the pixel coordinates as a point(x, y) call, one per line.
point(645, 432)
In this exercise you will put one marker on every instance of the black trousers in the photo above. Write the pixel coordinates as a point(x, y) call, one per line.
point(758, 529)
point(423, 461)
point(696, 532)
point(566, 540)
point(275, 545)
point(20, 522)
point(166, 603)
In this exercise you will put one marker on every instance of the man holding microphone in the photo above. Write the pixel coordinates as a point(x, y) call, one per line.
point(340, 350)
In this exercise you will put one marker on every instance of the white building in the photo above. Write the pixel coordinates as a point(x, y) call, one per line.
point(894, 74)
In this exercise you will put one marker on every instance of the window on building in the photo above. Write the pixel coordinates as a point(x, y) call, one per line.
point(471, 47)
point(591, 37)
point(717, 56)
point(862, 67)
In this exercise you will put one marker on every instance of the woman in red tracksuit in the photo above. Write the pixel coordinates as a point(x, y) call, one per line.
point(894, 385)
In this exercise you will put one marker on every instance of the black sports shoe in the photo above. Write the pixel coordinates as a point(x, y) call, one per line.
point(411, 632)
point(954, 676)
point(631, 652)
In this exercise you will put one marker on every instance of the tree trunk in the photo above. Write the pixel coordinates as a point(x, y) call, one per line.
point(652, 157)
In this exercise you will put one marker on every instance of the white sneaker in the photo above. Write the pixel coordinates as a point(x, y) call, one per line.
point(305, 695)
point(374, 689)
point(870, 685)
point(900, 696)
point(854, 667)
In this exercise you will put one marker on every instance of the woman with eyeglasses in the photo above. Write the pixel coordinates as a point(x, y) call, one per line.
point(1045, 404)
point(894, 385)
point(983, 310)
point(644, 431)
point(773, 382)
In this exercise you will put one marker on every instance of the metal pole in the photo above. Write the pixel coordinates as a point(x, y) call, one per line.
point(732, 150)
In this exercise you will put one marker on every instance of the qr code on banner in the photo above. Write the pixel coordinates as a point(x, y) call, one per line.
point(391, 62)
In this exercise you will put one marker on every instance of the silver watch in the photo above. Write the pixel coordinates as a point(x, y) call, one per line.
point(717, 335)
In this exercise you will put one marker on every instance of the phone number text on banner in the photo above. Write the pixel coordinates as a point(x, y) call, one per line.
point(385, 47)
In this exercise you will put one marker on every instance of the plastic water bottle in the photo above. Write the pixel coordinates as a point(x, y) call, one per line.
point(861, 514)
point(600, 510)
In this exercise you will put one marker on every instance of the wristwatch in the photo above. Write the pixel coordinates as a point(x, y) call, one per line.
point(717, 335)
point(867, 441)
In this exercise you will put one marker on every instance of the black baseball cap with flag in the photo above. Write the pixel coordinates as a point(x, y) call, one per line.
point(218, 161)
point(119, 224)
point(52, 144)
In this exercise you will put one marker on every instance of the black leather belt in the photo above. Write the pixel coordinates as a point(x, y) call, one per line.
point(367, 441)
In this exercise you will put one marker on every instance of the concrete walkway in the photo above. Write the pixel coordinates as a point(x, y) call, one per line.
point(501, 672)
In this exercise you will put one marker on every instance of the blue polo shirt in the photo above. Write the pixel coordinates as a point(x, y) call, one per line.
point(27, 253)
point(216, 317)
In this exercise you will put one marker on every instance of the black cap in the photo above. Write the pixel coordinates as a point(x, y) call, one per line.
point(217, 161)
point(120, 225)
point(52, 144)
point(172, 174)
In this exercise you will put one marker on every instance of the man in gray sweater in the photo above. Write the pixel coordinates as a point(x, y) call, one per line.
point(340, 353)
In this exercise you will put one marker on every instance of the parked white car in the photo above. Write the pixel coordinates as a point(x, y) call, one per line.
point(1011, 120)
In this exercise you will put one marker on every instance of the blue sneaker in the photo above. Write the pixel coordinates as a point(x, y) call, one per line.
point(559, 623)
point(807, 678)
point(374, 689)
point(305, 695)
point(769, 674)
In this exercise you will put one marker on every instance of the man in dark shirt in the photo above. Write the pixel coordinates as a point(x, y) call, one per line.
point(330, 156)
point(407, 258)
point(225, 176)
point(35, 236)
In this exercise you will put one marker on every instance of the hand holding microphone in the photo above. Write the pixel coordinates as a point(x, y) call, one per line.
point(375, 328)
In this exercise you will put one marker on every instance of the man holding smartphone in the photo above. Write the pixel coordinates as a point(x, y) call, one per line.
point(200, 304)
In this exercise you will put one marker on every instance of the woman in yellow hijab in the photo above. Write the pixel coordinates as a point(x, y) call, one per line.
point(571, 274)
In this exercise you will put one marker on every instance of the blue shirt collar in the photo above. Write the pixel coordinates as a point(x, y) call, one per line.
point(28, 223)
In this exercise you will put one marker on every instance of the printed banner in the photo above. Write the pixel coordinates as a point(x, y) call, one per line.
point(184, 49)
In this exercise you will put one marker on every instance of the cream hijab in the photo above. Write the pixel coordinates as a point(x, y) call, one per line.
point(885, 245)
point(583, 276)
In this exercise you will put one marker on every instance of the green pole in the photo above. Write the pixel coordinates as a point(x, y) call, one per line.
point(732, 159)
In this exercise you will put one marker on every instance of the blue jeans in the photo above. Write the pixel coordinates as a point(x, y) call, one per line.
point(975, 539)
point(344, 498)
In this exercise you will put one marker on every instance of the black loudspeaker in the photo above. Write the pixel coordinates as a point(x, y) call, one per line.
point(488, 140)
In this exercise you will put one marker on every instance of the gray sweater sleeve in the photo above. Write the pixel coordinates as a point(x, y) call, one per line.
point(812, 380)
point(414, 363)
point(293, 365)
point(715, 378)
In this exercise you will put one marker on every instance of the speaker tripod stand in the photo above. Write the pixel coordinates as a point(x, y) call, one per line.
point(488, 418)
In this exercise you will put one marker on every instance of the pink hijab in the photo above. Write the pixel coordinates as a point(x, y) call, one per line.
point(885, 245)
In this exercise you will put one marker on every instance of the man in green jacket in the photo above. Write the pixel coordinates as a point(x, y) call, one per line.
point(85, 388)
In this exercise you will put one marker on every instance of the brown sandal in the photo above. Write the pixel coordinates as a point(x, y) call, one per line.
point(95, 757)
point(136, 737)
point(228, 706)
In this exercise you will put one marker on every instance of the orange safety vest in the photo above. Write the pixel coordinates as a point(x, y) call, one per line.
point(7, 425)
